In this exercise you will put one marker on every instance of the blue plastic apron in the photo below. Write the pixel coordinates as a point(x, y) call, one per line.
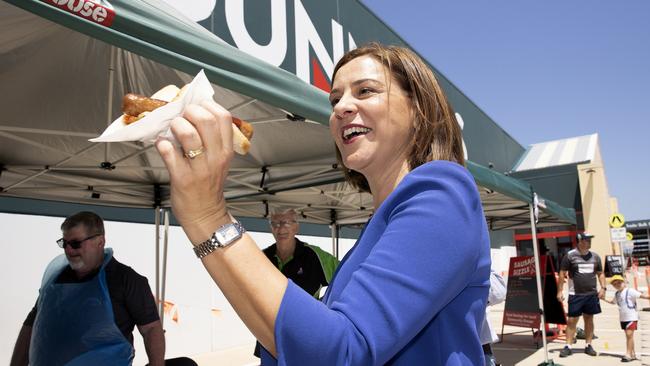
point(75, 324)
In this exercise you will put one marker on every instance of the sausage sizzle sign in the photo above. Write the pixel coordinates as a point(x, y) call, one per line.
point(522, 306)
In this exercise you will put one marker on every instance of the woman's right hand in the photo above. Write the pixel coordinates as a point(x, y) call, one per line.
point(198, 202)
point(197, 184)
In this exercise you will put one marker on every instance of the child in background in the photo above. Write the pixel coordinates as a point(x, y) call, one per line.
point(626, 298)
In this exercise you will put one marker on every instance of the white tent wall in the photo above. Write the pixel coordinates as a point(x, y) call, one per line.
point(206, 322)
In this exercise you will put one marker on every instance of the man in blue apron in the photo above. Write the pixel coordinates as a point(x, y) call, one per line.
point(88, 305)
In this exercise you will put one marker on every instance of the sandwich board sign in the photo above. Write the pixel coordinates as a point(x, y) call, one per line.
point(613, 265)
point(522, 308)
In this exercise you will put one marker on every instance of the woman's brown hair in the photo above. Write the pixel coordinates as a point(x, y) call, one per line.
point(437, 135)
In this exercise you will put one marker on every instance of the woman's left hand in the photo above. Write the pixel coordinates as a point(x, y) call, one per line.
point(197, 184)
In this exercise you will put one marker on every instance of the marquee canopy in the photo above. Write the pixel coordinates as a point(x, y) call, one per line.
point(62, 77)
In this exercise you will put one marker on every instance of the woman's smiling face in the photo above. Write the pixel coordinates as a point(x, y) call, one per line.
point(372, 119)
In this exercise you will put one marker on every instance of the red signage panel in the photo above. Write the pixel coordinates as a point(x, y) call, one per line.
point(97, 11)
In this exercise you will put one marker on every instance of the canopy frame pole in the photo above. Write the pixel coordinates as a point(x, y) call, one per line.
point(538, 279)
point(135, 153)
point(334, 198)
point(164, 265)
point(241, 105)
point(89, 168)
point(315, 218)
point(42, 131)
point(44, 171)
point(253, 187)
point(76, 186)
point(109, 104)
point(335, 234)
point(244, 210)
point(34, 143)
point(310, 175)
point(333, 231)
point(157, 256)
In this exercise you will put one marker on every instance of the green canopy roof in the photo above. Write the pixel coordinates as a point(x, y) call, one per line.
point(291, 163)
point(156, 31)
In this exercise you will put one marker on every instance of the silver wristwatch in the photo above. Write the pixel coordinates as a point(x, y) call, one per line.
point(222, 237)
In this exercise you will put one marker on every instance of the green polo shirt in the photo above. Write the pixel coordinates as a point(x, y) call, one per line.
point(310, 267)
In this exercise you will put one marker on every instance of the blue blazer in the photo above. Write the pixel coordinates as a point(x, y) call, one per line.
point(413, 289)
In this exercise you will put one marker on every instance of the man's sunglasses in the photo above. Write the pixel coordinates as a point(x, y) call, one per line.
point(74, 244)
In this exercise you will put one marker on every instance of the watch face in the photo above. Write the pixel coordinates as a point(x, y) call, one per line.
point(227, 234)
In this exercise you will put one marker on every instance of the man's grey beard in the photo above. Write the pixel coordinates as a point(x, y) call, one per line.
point(76, 265)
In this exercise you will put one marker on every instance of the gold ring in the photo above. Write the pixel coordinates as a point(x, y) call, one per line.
point(191, 154)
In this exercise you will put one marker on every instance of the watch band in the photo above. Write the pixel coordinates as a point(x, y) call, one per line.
point(214, 242)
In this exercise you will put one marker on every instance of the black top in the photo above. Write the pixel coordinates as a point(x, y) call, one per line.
point(133, 302)
point(304, 268)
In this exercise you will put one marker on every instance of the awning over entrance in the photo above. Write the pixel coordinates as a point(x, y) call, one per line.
point(551, 167)
point(506, 202)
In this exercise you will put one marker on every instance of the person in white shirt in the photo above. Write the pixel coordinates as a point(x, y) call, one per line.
point(488, 336)
point(626, 298)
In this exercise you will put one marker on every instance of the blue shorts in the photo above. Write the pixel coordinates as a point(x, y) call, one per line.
point(583, 304)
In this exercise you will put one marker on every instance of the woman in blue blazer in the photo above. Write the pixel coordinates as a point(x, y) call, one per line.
point(413, 289)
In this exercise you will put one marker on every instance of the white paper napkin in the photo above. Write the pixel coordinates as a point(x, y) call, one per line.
point(156, 123)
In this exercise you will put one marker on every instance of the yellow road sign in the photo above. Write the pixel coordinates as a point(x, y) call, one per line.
point(629, 236)
point(616, 220)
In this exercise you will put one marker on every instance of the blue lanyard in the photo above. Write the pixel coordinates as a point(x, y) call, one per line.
point(627, 294)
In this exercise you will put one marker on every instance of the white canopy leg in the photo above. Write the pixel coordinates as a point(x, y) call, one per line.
point(157, 219)
point(540, 298)
point(164, 265)
point(335, 249)
point(109, 105)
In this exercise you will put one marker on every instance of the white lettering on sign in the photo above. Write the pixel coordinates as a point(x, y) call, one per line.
point(523, 268)
point(461, 123)
point(306, 35)
point(197, 10)
point(522, 272)
point(524, 263)
point(275, 51)
point(351, 43)
point(98, 11)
